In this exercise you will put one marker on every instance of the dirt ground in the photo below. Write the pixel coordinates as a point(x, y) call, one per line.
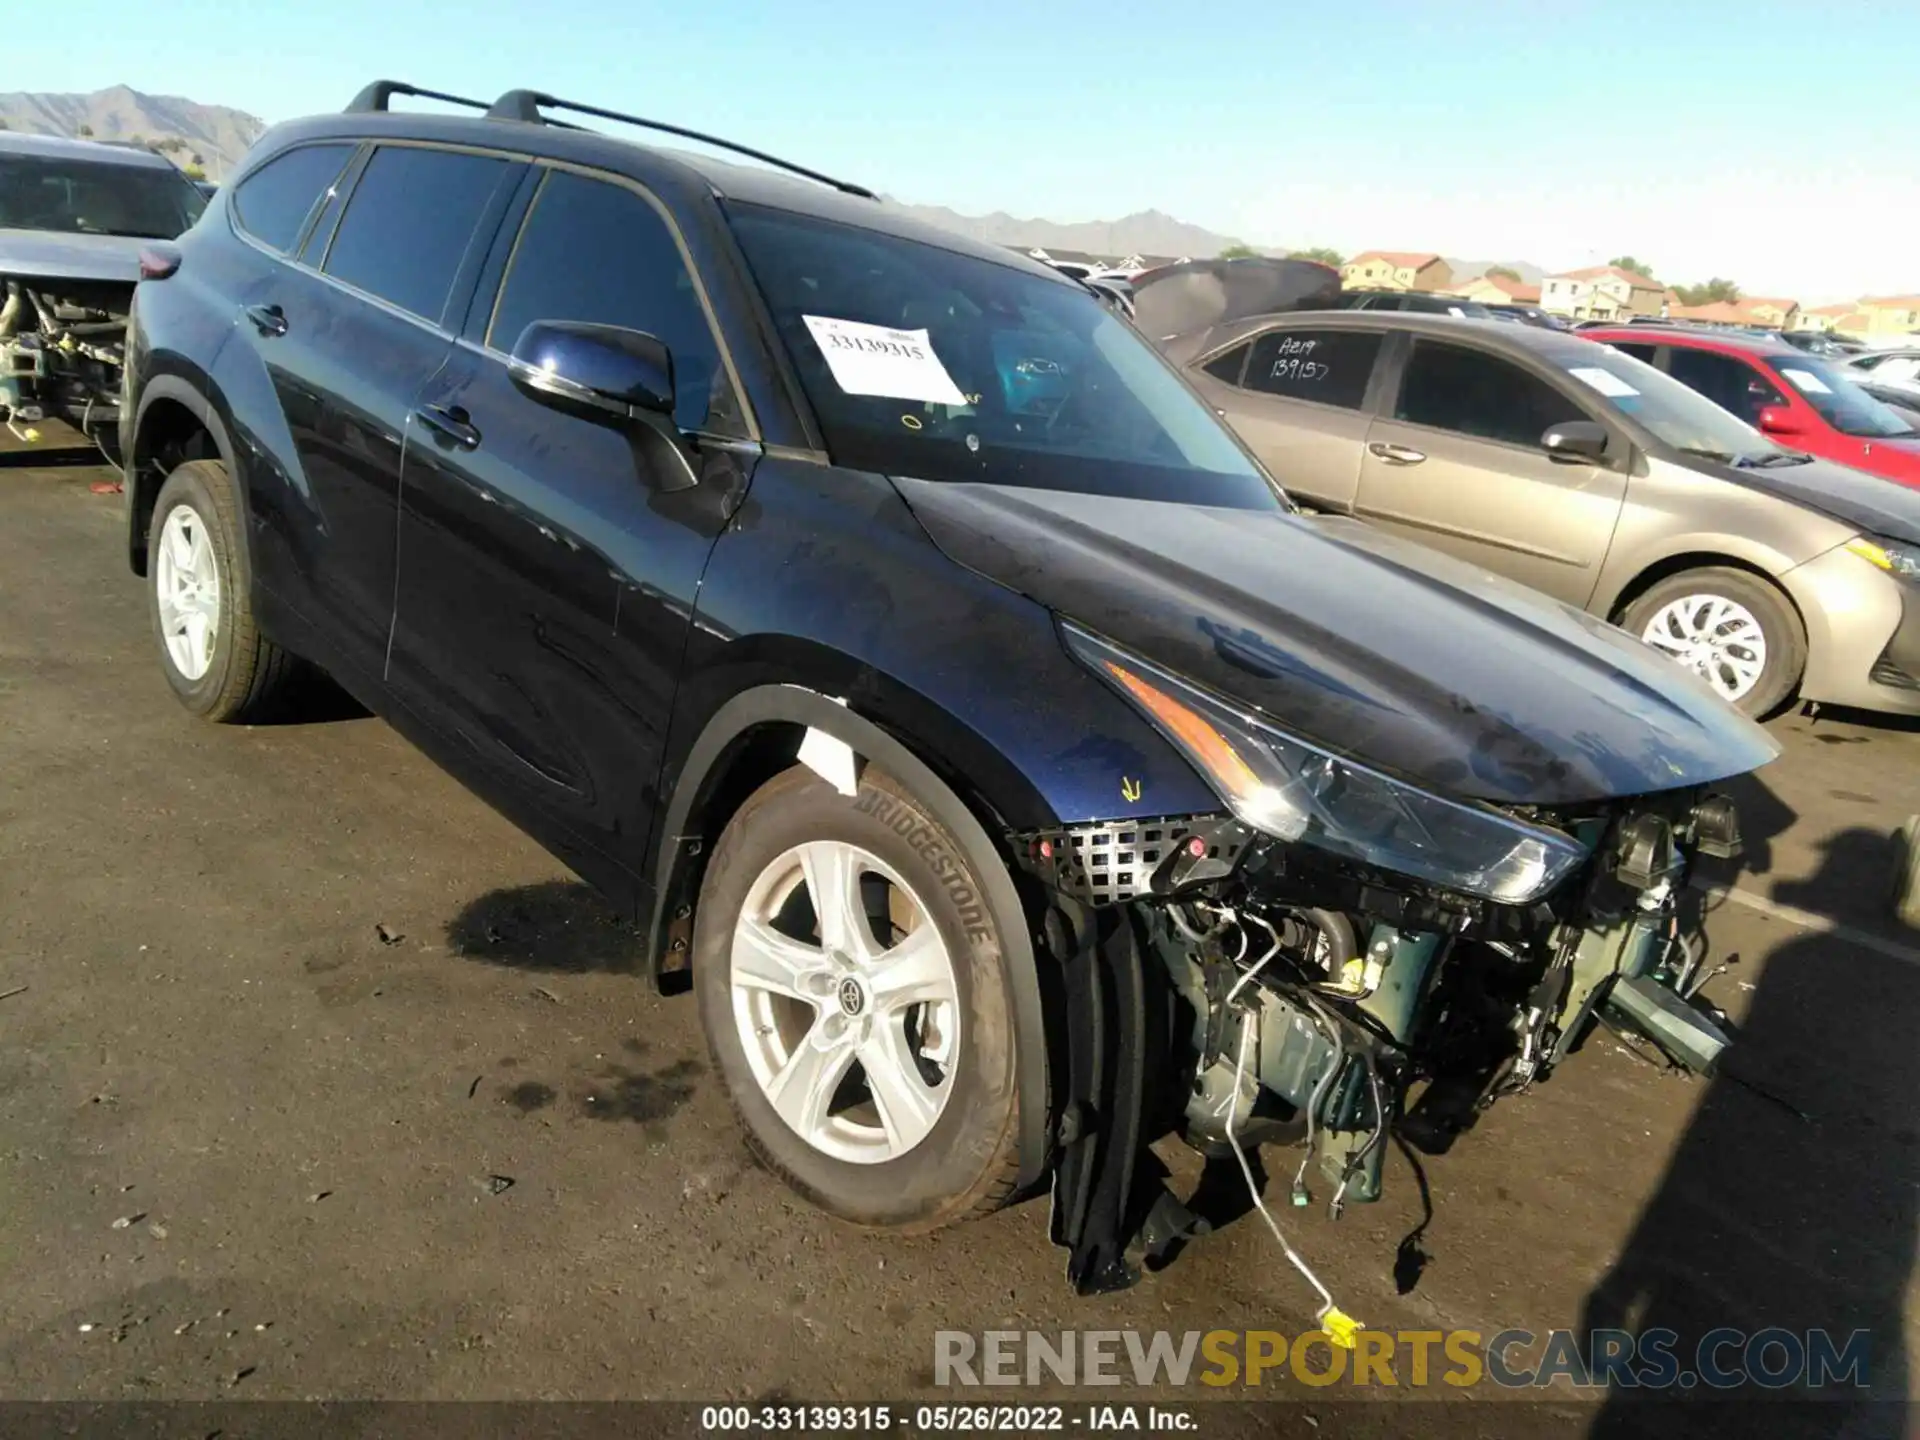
point(318, 1080)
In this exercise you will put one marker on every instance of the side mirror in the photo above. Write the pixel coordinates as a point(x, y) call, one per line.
point(606, 370)
point(1778, 420)
point(1576, 440)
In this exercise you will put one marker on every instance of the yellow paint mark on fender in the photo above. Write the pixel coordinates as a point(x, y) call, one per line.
point(1129, 789)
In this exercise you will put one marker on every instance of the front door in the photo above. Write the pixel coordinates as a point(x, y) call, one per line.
point(1455, 462)
point(548, 568)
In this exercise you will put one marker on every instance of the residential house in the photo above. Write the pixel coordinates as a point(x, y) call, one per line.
point(1717, 312)
point(1601, 292)
point(1774, 314)
point(1889, 316)
point(1823, 317)
point(1498, 290)
point(1749, 310)
point(1395, 270)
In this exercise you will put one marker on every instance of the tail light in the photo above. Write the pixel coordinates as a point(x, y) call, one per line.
point(159, 260)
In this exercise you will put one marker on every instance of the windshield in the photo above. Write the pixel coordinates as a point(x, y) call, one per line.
point(1677, 413)
point(1841, 402)
point(924, 362)
point(87, 197)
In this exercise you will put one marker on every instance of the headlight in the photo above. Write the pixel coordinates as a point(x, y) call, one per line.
point(1299, 792)
point(1889, 555)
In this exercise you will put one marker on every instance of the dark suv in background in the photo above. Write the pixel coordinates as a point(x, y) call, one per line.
point(950, 697)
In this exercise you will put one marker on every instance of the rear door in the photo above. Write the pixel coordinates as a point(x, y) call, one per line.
point(1298, 397)
point(1455, 461)
point(548, 565)
point(349, 333)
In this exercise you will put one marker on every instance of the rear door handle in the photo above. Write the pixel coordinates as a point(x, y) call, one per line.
point(267, 319)
point(1397, 454)
point(451, 422)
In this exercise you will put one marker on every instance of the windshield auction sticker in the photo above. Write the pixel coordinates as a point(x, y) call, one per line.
point(1605, 381)
point(878, 360)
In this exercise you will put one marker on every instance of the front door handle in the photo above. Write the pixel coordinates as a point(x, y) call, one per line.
point(1397, 454)
point(451, 422)
point(267, 319)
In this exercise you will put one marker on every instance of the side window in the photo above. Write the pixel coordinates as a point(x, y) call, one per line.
point(596, 251)
point(273, 203)
point(1639, 352)
point(1474, 393)
point(1331, 366)
point(1731, 384)
point(409, 222)
point(1228, 367)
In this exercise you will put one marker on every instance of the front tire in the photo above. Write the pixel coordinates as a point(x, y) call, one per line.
point(852, 984)
point(200, 598)
point(1731, 628)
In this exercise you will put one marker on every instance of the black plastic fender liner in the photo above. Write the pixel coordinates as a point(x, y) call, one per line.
point(182, 392)
point(796, 705)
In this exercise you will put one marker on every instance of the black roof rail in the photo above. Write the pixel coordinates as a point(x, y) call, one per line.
point(526, 105)
point(375, 97)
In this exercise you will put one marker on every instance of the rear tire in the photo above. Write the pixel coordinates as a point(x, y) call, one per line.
point(200, 598)
point(1710, 620)
point(934, 1139)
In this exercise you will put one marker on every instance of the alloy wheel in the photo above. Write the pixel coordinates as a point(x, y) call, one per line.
point(1717, 638)
point(186, 579)
point(845, 1001)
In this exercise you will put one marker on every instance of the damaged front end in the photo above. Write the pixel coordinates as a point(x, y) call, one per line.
point(62, 353)
point(1340, 959)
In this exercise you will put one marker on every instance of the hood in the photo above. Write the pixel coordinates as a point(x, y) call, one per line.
point(1853, 497)
point(1361, 643)
point(1199, 294)
point(55, 255)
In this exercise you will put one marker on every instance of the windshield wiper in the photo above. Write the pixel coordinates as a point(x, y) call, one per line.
point(1779, 457)
point(1722, 456)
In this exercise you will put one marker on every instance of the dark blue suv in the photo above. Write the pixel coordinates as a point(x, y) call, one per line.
point(1012, 772)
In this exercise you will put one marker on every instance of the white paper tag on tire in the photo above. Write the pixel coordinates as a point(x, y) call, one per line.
point(878, 360)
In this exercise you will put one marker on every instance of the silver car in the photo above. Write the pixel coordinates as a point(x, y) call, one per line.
point(1588, 475)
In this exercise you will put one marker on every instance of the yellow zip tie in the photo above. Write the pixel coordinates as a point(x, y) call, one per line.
point(1341, 1327)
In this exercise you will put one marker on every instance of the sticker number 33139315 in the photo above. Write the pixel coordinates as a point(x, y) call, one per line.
point(878, 360)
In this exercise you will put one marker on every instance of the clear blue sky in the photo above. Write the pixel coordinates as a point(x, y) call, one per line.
point(1775, 143)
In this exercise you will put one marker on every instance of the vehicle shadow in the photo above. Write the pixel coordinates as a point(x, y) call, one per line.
point(1764, 818)
point(561, 927)
point(1790, 1202)
point(1829, 715)
point(315, 698)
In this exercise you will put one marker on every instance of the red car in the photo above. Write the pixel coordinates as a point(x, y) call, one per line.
point(1796, 399)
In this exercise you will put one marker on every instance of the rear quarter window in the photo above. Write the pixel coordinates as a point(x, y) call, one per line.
point(273, 203)
point(1331, 367)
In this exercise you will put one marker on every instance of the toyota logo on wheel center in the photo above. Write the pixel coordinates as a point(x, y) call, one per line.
point(852, 998)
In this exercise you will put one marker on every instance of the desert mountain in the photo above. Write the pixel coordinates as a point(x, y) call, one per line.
point(218, 135)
